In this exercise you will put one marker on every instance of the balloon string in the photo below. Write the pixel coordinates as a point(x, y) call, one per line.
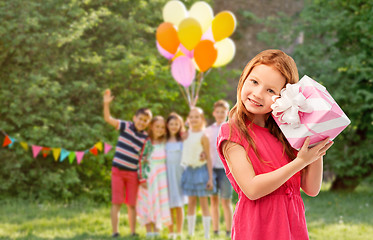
point(188, 94)
point(183, 92)
point(200, 80)
point(193, 88)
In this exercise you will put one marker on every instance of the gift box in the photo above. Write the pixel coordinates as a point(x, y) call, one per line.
point(306, 109)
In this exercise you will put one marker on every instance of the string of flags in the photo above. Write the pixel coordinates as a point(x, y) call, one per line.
point(59, 153)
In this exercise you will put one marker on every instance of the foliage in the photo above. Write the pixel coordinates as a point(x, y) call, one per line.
point(56, 59)
point(332, 43)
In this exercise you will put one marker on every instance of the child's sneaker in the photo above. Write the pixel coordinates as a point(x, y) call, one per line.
point(115, 235)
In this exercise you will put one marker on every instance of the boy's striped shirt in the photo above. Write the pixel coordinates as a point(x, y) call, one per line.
point(129, 146)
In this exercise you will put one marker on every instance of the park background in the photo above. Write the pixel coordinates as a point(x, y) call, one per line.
point(57, 57)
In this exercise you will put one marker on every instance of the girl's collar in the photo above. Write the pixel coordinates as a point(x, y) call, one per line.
point(255, 126)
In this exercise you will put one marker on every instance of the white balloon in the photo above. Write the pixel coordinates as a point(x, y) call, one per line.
point(174, 12)
point(203, 13)
point(226, 51)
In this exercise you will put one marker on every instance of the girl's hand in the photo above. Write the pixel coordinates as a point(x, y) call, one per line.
point(144, 185)
point(309, 155)
point(184, 135)
point(209, 184)
point(202, 157)
point(107, 96)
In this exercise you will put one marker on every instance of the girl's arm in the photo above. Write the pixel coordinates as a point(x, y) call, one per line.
point(312, 178)
point(257, 186)
point(206, 148)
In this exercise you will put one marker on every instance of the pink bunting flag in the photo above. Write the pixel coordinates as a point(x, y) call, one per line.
point(107, 148)
point(79, 156)
point(36, 150)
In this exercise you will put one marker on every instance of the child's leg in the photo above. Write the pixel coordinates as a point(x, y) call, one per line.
point(132, 218)
point(149, 230)
point(226, 200)
point(155, 230)
point(179, 219)
point(203, 201)
point(171, 226)
point(215, 212)
point(115, 208)
point(192, 203)
point(148, 227)
point(206, 219)
point(227, 210)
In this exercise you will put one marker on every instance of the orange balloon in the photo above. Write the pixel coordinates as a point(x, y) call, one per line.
point(167, 37)
point(205, 54)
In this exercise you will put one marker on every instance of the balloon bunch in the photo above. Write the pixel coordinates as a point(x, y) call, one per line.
point(194, 40)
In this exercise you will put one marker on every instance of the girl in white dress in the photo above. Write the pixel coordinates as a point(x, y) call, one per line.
point(196, 180)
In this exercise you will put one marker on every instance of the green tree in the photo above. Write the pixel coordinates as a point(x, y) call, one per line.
point(337, 50)
point(56, 59)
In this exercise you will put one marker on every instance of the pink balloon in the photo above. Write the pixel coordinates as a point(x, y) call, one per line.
point(183, 70)
point(188, 53)
point(163, 52)
point(208, 35)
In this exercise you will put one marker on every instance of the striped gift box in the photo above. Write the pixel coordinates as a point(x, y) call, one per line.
point(307, 109)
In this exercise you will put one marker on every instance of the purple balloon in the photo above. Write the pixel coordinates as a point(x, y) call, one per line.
point(164, 53)
point(183, 70)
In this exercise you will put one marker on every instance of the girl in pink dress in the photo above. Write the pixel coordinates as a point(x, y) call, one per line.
point(265, 171)
point(153, 204)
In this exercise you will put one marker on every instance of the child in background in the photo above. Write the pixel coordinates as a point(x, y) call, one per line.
point(174, 147)
point(223, 186)
point(124, 172)
point(153, 208)
point(196, 180)
point(265, 171)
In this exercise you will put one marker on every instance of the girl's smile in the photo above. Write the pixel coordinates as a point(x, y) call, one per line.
point(158, 129)
point(173, 126)
point(195, 120)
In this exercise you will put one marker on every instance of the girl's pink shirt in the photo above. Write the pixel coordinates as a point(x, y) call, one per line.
point(278, 215)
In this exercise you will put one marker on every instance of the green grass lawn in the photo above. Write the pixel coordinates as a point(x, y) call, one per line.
point(329, 216)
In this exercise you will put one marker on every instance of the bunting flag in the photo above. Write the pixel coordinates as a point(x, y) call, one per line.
point(7, 141)
point(24, 145)
point(79, 156)
point(12, 141)
point(59, 154)
point(107, 148)
point(36, 150)
point(45, 151)
point(94, 150)
point(99, 146)
point(56, 153)
point(64, 154)
point(71, 157)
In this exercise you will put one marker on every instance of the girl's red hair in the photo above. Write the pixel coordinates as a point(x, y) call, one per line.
point(239, 116)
